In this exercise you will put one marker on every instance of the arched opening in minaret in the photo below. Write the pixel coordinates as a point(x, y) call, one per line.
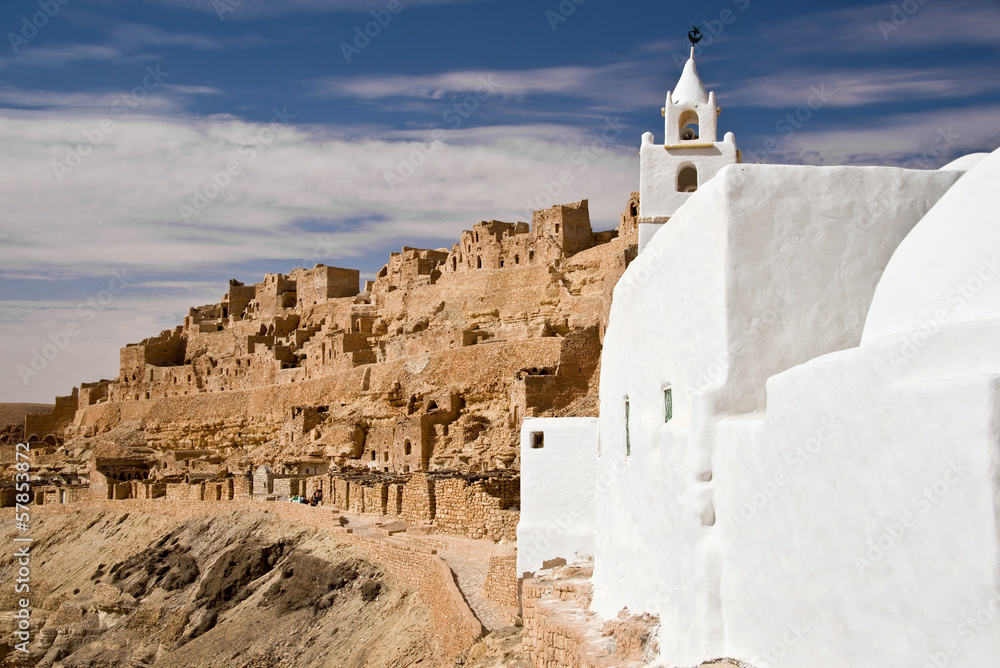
point(687, 179)
point(688, 125)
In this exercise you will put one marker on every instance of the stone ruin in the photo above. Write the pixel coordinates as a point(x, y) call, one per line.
point(430, 368)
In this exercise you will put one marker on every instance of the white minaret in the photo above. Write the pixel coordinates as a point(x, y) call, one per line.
point(689, 156)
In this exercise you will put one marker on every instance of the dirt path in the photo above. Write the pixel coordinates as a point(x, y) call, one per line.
point(468, 559)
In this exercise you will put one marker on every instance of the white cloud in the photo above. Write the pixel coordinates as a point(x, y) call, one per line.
point(120, 207)
point(924, 140)
point(857, 87)
point(610, 86)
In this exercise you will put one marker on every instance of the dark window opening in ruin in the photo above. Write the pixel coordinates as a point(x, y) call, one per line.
point(687, 179)
point(147, 395)
point(537, 440)
point(431, 406)
point(225, 313)
point(479, 263)
point(477, 237)
point(454, 263)
point(628, 437)
point(517, 259)
point(557, 228)
point(406, 468)
point(385, 469)
point(385, 457)
point(668, 404)
point(634, 211)
point(407, 447)
point(151, 374)
point(501, 264)
point(531, 256)
point(373, 455)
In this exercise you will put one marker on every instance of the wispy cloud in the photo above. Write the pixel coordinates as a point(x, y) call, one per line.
point(924, 140)
point(864, 29)
point(603, 84)
point(857, 87)
point(254, 9)
point(123, 203)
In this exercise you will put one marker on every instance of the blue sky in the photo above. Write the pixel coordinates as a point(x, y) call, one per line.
point(153, 149)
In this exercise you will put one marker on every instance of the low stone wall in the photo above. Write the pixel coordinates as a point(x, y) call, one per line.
point(480, 509)
point(501, 581)
point(375, 497)
point(560, 631)
point(418, 499)
point(456, 627)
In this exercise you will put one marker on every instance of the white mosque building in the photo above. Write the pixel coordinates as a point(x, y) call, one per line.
point(797, 460)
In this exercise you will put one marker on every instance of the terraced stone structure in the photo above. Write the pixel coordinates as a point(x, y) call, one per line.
point(429, 368)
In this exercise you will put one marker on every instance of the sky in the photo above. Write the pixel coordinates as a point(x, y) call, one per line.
point(151, 150)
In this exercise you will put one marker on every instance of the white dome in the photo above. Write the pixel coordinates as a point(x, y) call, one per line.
point(947, 269)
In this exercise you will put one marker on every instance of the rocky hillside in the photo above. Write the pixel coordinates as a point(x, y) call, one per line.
point(112, 589)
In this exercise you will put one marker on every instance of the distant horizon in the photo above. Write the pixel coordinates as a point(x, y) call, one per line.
point(155, 150)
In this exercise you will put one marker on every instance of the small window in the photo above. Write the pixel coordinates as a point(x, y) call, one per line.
point(687, 179)
point(373, 455)
point(479, 263)
point(531, 256)
point(501, 263)
point(668, 404)
point(407, 447)
point(537, 440)
point(628, 437)
point(557, 228)
point(517, 259)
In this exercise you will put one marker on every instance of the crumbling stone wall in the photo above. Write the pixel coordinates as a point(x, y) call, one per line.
point(501, 581)
point(418, 499)
point(376, 497)
point(50, 426)
point(478, 509)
